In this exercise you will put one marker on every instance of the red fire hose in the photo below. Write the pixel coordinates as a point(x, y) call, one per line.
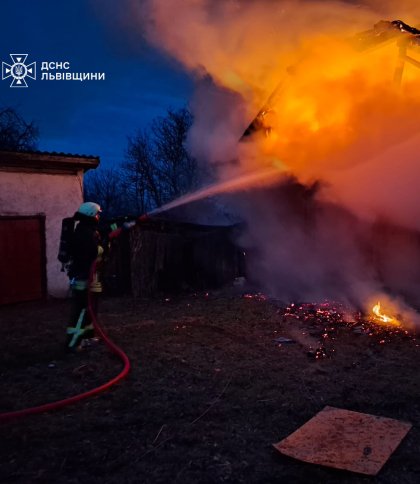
point(81, 396)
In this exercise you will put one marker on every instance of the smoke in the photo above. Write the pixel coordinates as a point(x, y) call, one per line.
point(340, 129)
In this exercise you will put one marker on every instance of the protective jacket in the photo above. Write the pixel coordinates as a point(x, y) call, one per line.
point(84, 247)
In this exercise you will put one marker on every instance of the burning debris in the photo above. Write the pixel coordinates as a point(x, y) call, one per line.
point(325, 320)
point(384, 31)
point(321, 324)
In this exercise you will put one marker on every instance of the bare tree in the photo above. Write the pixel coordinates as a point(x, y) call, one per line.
point(142, 179)
point(177, 168)
point(158, 167)
point(16, 134)
point(105, 186)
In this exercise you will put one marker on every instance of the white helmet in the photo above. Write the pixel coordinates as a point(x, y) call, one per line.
point(89, 209)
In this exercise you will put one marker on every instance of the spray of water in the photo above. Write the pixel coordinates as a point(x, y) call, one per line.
point(262, 177)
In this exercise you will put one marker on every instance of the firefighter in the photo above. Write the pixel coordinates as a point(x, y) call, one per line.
point(85, 248)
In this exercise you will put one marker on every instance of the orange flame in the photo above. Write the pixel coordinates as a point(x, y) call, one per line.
point(383, 318)
point(295, 64)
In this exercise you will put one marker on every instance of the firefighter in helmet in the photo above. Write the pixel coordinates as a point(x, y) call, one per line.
point(85, 249)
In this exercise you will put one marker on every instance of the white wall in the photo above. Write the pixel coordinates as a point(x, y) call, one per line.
point(56, 197)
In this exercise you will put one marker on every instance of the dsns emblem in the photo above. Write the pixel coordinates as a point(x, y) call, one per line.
point(18, 70)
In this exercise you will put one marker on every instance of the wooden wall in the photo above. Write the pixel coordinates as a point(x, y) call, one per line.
point(163, 257)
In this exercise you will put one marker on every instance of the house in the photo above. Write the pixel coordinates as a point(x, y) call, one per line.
point(37, 190)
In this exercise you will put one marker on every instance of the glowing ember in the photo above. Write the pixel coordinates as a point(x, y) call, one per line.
point(257, 297)
point(383, 318)
point(328, 320)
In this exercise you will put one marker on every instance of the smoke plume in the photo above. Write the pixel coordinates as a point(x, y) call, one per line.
point(335, 120)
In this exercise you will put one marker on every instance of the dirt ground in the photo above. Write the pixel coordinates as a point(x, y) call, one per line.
point(209, 392)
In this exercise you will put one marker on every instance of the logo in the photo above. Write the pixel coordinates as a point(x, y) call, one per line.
point(18, 70)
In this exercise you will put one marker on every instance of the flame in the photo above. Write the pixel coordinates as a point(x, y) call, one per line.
point(324, 104)
point(383, 318)
point(338, 108)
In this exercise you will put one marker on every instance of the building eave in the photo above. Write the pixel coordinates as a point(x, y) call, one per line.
point(45, 162)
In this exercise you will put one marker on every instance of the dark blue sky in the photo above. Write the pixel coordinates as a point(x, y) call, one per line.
point(91, 117)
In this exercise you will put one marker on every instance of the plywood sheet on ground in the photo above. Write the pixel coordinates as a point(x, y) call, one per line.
point(344, 439)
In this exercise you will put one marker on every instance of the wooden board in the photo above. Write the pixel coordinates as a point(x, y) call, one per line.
point(343, 439)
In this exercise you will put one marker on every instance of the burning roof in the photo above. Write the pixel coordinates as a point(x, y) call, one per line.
point(382, 32)
point(385, 30)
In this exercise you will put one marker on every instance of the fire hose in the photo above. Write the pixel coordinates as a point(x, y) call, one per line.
point(46, 407)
